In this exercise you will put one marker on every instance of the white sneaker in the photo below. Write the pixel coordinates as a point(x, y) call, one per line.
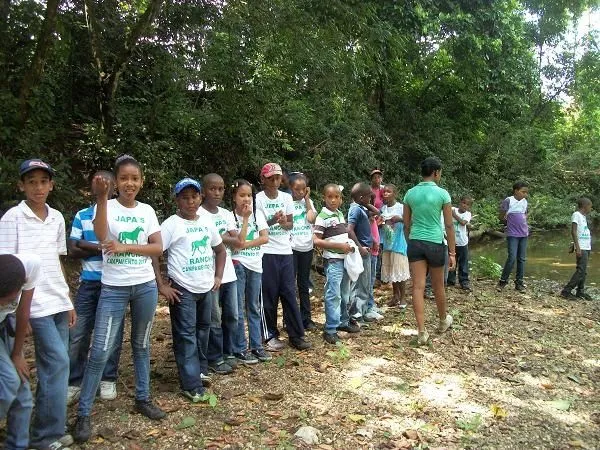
point(108, 390)
point(73, 395)
point(66, 440)
point(445, 324)
point(423, 338)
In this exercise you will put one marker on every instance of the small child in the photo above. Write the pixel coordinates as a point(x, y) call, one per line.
point(196, 258)
point(83, 244)
point(375, 221)
point(278, 262)
point(34, 227)
point(582, 243)
point(302, 243)
point(513, 211)
point(462, 220)
point(247, 262)
point(19, 274)
point(359, 230)
point(394, 268)
point(331, 234)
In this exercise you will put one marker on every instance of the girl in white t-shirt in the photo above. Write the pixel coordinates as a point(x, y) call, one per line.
point(130, 236)
point(247, 262)
point(302, 243)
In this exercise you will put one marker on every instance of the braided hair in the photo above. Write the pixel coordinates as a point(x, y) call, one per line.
point(234, 188)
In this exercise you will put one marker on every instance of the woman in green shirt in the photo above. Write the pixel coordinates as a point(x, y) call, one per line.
point(425, 236)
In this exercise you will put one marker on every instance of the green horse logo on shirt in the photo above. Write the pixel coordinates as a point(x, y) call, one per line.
point(250, 236)
point(131, 236)
point(300, 217)
point(200, 246)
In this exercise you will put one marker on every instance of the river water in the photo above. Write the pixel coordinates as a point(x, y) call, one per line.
point(547, 255)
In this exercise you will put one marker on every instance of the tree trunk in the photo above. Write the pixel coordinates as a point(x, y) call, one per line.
point(34, 74)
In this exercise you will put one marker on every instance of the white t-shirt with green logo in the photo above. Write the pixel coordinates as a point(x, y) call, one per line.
point(302, 233)
point(279, 238)
point(251, 258)
point(191, 260)
point(583, 232)
point(224, 221)
point(129, 226)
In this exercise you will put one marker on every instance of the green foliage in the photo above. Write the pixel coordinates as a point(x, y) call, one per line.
point(471, 424)
point(341, 354)
point(486, 268)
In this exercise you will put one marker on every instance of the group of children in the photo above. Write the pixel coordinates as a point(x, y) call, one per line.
point(226, 272)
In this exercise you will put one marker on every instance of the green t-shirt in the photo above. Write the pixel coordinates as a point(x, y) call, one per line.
point(426, 201)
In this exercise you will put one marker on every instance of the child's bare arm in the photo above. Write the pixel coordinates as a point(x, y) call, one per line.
point(328, 245)
point(21, 328)
point(575, 237)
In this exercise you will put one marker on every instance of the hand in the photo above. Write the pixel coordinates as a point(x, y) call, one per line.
point(277, 217)
point(101, 186)
point(111, 247)
point(246, 210)
point(347, 248)
point(72, 318)
point(578, 252)
point(170, 293)
point(307, 195)
point(364, 251)
point(451, 262)
point(217, 284)
point(282, 219)
point(21, 366)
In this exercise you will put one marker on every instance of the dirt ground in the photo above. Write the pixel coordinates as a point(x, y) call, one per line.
point(518, 371)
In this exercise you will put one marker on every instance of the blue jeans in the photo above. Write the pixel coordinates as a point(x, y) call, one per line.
point(462, 267)
point(51, 340)
point(250, 302)
point(80, 335)
point(142, 299)
point(371, 304)
point(223, 323)
point(517, 251)
point(15, 395)
point(361, 290)
point(337, 295)
point(190, 324)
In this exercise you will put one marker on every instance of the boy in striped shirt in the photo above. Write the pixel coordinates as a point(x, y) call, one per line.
point(331, 234)
point(83, 244)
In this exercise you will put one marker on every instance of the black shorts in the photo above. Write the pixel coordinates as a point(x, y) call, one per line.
point(426, 251)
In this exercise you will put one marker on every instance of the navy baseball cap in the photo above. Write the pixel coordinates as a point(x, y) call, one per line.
point(35, 164)
point(187, 182)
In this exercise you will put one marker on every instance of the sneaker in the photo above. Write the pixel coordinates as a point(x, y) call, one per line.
point(429, 294)
point(262, 355)
point(584, 296)
point(366, 318)
point(56, 445)
point(350, 328)
point(501, 285)
point(67, 440)
point(192, 396)
point(374, 315)
point(310, 326)
point(520, 287)
point(466, 287)
point(568, 295)
point(149, 409)
point(205, 379)
point(220, 368)
point(246, 358)
point(331, 338)
point(73, 394)
point(362, 324)
point(445, 324)
point(108, 390)
point(299, 343)
point(82, 430)
point(423, 338)
point(232, 361)
point(275, 345)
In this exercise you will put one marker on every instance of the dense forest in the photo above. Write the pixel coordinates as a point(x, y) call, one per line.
point(499, 90)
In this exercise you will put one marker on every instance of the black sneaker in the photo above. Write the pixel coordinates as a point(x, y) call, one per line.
point(149, 409)
point(245, 358)
point(584, 296)
point(568, 295)
point(520, 287)
point(501, 285)
point(466, 287)
point(350, 328)
point(310, 326)
point(82, 430)
point(331, 338)
point(232, 361)
point(220, 368)
point(262, 355)
point(299, 343)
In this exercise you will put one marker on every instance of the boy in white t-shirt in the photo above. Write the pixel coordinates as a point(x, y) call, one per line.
point(34, 227)
point(462, 219)
point(278, 262)
point(582, 246)
point(19, 274)
point(196, 258)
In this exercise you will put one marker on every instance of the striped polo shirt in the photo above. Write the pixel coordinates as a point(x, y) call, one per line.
point(331, 226)
point(83, 229)
point(22, 231)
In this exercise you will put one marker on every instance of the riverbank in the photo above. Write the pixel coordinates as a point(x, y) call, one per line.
point(516, 371)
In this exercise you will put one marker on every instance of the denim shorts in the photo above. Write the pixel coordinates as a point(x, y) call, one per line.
point(426, 251)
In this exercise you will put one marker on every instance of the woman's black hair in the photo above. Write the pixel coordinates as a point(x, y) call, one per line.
point(519, 185)
point(13, 274)
point(430, 165)
point(124, 160)
point(234, 188)
point(294, 176)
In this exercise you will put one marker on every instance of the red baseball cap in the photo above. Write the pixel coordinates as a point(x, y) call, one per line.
point(271, 169)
